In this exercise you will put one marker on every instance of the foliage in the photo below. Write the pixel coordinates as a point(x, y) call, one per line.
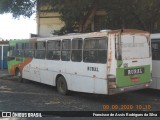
point(18, 7)
point(139, 14)
point(78, 14)
point(73, 12)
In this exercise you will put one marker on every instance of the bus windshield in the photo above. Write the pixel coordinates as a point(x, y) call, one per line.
point(134, 47)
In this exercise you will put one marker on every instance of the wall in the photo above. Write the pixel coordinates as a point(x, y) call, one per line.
point(47, 23)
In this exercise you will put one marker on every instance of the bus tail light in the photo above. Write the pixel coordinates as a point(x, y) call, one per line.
point(151, 77)
point(134, 79)
point(111, 81)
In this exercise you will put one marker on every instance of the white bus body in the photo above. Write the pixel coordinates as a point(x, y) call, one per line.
point(127, 63)
point(155, 40)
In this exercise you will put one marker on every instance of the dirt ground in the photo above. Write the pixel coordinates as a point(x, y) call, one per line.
point(32, 96)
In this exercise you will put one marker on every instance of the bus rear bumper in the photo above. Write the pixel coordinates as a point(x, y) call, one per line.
point(113, 91)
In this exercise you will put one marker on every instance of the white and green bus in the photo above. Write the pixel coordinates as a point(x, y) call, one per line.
point(106, 62)
point(155, 43)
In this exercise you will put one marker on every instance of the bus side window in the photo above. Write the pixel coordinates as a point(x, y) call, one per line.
point(50, 48)
point(29, 50)
point(12, 51)
point(66, 49)
point(20, 50)
point(155, 50)
point(102, 51)
point(76, 55)
point(40, 51)
point(53, 50)
point(95, 50)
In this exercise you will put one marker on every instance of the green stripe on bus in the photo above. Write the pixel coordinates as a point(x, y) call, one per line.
point(123, 80)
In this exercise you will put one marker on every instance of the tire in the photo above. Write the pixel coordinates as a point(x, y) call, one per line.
point(62, 87)
point(19, 75)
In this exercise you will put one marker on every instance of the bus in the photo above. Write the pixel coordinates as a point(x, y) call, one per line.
point(106, 62)
point(155, 44)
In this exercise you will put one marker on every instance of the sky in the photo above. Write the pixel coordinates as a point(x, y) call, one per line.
point(21, 28)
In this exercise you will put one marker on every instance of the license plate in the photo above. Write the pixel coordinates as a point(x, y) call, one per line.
point(133, 71)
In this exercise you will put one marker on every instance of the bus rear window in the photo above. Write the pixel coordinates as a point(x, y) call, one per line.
point(134, 46)
point(95, 50)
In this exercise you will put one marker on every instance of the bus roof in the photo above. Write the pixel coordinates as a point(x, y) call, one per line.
point(84, 35)
point(76, 35)
point(95, 34)
point(129, 31)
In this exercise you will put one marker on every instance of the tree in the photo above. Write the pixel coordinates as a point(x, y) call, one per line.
point(139, 14)
point(18, 7)
point(78, 14)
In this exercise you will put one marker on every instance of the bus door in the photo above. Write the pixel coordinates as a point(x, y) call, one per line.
point(133, 59)
point(5, 50)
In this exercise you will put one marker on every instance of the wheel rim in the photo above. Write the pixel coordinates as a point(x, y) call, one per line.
point(62, 86)
point(18, 74)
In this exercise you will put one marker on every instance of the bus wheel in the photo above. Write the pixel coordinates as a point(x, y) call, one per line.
point(19, 75)
point(62, 86)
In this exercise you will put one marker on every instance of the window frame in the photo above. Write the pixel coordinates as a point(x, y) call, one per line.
point(73, 49)
point(29, 49)
point(13, 49)
point(156, 52)
point(54, 50)
point(95, 52)
point(68, 49)
point(37, 50)
point(19, 49)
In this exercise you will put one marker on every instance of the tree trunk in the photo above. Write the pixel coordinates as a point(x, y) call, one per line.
point(84, 24)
